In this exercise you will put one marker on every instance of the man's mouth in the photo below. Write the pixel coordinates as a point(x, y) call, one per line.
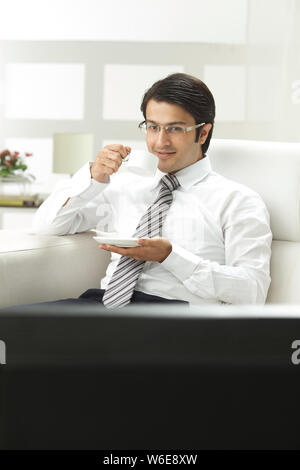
point(165, 154)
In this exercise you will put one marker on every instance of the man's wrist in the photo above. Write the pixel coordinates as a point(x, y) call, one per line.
point(168, 253)
point(104, 179)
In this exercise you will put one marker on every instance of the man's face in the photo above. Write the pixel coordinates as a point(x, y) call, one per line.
point(173, 152)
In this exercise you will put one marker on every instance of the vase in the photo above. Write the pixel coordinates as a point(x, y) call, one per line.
point(17, 185)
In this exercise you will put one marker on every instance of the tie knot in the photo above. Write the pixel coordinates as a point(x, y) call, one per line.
point(170, 182)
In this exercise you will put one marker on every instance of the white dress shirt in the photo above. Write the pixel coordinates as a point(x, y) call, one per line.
point(219, 230)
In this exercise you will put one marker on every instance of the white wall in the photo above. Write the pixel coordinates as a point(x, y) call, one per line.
point(213, 21)
point(83, 65)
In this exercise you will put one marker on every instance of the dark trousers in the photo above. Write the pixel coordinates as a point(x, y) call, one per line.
point(94, 297)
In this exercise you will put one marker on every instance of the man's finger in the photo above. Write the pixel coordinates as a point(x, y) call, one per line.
point(121, 149)
point(111, 248)
point(121, 251)
point(146, 241)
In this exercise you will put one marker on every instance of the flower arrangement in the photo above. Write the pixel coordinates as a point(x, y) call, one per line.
point(12, 163)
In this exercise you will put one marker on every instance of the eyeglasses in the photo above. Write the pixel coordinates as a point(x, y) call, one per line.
point(149, 128)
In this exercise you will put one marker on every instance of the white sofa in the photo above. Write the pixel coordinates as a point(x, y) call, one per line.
point(35, 268)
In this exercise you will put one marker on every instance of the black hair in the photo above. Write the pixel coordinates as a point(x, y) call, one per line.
point(188, 92)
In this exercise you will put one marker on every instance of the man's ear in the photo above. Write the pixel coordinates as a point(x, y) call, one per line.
point(204, 132)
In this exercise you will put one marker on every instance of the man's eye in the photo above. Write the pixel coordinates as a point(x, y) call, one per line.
point(174, 129)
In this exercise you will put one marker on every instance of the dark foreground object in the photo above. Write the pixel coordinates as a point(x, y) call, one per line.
point(92, 379)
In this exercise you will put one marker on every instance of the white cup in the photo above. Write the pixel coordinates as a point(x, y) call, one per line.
point(141, 162)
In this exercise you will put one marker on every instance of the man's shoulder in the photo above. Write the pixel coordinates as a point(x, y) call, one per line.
point(238, 201)
point(230, 187)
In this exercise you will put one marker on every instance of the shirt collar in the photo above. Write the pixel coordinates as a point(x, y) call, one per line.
point(188, 176)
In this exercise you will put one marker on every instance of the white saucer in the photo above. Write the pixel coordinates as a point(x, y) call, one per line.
point(122, 242)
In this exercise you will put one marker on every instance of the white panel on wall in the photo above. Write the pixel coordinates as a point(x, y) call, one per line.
point(227, 84)
point(40, 164)
point(264, 93)
point(44, 91)
point(125, 85)
point(215, 21)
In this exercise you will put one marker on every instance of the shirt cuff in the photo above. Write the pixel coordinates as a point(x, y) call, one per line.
point(181, 262)
point(83, 185)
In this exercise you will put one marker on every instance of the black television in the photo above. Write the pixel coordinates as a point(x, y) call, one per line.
point(149, 377)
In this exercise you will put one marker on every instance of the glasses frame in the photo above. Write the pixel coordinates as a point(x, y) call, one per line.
point(142, 127)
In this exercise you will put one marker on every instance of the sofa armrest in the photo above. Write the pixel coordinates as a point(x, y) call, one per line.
point(38, 268)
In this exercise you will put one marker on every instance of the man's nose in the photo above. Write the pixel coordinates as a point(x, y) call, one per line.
point(162, 137)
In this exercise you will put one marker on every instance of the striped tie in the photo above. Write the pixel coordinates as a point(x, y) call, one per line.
point(121, 285)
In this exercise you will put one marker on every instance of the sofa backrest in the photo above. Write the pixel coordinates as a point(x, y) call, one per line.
point(272, 169)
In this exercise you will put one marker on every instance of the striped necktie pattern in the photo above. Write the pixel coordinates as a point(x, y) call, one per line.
point(122, 283)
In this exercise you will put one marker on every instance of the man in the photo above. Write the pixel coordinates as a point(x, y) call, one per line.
point(202, 238)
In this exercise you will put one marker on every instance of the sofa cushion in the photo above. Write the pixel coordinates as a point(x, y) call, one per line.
point(37, 268)
point(272, 169)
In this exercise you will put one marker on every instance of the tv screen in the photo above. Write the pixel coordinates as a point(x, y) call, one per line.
point(149, 377)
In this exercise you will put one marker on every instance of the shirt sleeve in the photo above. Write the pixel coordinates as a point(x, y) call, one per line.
point(245, 276)
point(81, 212)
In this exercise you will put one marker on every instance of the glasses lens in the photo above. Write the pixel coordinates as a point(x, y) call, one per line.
point(149, 128)
point(143, 127)
point(175, 130)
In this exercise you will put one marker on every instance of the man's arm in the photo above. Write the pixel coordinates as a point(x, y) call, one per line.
point(72, 206)
point(245, 276)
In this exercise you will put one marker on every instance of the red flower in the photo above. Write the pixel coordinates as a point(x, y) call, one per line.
point(16, 153)
point(28, 154)
point(5, 153)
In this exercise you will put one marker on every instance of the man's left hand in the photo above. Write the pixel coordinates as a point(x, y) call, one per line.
point(150, 249)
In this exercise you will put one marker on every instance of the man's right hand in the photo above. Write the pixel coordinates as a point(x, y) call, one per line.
point(108, 161)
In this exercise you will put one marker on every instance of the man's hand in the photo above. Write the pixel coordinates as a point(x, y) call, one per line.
point(108, 161)
point(150, 249)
